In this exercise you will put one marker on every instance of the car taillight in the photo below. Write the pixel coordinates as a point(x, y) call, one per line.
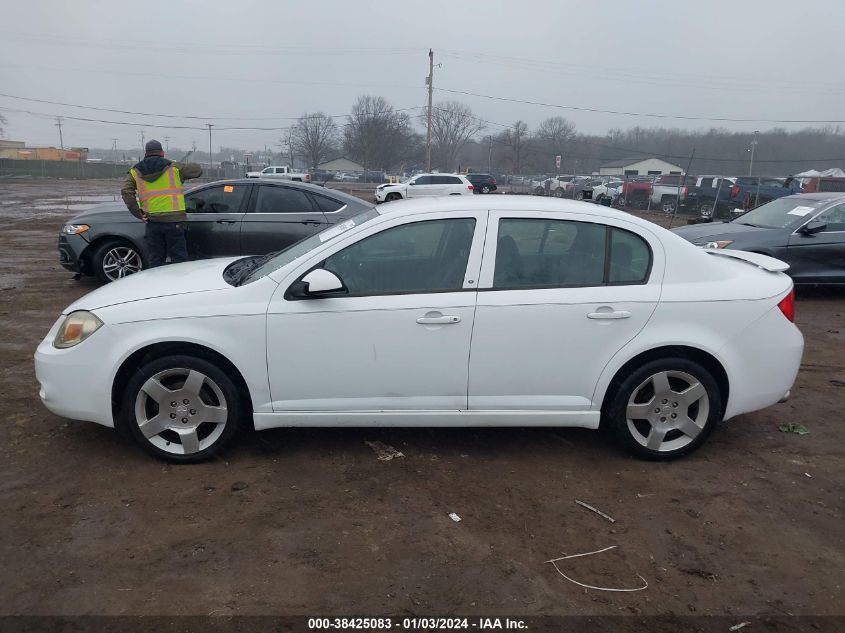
point(734, 191)
point(787, 306)
point(469, 187)
point(686, 190)
point(492, 181)
point(307, 177)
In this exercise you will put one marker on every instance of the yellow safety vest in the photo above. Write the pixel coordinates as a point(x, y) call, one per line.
point(162, 195)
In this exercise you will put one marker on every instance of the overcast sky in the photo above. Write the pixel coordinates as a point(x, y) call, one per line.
point(244, 63)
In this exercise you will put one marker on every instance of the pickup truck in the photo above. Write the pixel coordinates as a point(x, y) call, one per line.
point(665, 194)
point(735, 196)
point(279, 173)
point(635, 193)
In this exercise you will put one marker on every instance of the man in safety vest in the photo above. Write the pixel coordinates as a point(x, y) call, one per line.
point(153, 193)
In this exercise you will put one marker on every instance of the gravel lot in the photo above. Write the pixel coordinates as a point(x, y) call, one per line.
point(311, 522)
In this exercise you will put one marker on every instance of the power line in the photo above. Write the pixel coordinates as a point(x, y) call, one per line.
point(637, 114)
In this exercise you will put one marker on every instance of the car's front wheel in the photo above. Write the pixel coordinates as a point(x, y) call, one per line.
point(665, 408)
point(393, 196)
point(115, 259)
point(180, 408)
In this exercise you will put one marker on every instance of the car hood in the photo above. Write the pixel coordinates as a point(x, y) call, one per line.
point(711, 231)
point(176, 279)
point(104, 212)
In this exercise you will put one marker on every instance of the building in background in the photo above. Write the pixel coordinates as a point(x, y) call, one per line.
point(639, 167)
point(341, 164)
point(18, 150)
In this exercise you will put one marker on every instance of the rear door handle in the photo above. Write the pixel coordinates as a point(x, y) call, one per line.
point(225, 221)
point(438, 319)
point(617, 314)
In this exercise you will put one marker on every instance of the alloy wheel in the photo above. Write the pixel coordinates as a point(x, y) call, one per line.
point(181, 411)
point(121, 261)
point(667, 411)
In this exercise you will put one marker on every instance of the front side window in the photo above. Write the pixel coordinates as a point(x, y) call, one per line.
point(222, 199)
point(273, 199)
point(428, 256)
point(834, 218)
point(423, 180)
point(534, 253)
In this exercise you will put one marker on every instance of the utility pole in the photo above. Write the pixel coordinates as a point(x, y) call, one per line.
point(490, 156)
point(143, 138)
point(210, 163)
point(61, 140)
point(753, 145)
point(113, 149)
point(167, 143)
point(430, 82)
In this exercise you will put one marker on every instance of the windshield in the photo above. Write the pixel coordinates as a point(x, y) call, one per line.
point(295, 251)
point(781, 213)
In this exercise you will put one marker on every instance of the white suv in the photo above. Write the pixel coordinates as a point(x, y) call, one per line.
point(425, 185)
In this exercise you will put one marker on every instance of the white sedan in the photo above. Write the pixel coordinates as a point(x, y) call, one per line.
point(510, 311)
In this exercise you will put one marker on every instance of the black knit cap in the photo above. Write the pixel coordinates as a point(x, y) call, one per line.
point(153, 148)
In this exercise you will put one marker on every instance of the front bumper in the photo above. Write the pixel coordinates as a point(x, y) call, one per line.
point(76, 382)
point(71, 248)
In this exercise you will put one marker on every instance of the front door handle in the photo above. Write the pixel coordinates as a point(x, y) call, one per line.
point(609, 314)
point(225, 221)
point(311, 222)
point(436, 318)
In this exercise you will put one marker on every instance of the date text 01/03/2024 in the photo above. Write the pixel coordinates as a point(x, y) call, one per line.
point(416, 623)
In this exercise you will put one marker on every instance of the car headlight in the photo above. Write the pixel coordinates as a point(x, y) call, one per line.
point(74, 229)
point(76, 327)
point(716, 244)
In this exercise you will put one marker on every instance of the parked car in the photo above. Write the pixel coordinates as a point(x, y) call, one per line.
point(609, 189)
point(807, 231)
point(425, 185)
point(443, 312)
point(344, 177)
point(670, 191)
point(636, 192)
point(482, 183)
point(280, 172)
point(709, 193)
point(225, 218)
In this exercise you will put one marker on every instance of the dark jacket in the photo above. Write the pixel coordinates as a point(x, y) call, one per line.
point(151, 168)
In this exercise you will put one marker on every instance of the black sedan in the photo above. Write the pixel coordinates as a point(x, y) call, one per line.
point(225, 218)
point(807, 231)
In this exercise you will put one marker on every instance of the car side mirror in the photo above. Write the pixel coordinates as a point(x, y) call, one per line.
point(813, 227)
point(412, 183)
point(318, 283)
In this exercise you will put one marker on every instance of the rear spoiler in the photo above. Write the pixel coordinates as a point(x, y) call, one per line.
point(761, 261)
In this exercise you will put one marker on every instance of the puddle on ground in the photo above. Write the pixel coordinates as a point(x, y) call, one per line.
point(56, 205)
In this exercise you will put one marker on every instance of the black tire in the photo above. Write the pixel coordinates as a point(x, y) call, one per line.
point(579, 195)
point(226, 395)
point(107, 253)
point(392, 196)
point(631, 433)
point(559, 193)
point(485, 189)
point(705, 209)
point(667, 205)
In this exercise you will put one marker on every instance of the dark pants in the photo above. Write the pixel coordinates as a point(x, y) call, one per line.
point(166, 240)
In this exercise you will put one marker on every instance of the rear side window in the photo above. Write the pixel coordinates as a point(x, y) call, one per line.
point(327, 205)
point(532, 253)
point(273, 199)
point(630, 258)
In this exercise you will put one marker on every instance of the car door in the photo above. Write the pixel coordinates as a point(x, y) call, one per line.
point(559, 296)
point(399, 340)
point(278, 216)
point(214, 220)
point(421, 186)
point(819, 257)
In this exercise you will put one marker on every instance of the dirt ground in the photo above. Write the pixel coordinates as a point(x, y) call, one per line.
point(311, 522)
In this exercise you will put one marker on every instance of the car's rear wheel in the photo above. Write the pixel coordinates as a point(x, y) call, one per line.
point(393, 196)
point(705, 209)
point(579, 195)
point(485, 189)
point(115, 259)
point(180, 408)
point(668, 205)
point(665, 408)
point(559, 192)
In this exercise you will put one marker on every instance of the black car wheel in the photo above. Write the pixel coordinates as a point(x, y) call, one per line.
point(705, 209)
point(115, 259)
point(180, 408)
point(485, 189)
point(664, 409)
point(393, 196)
point(668, 205)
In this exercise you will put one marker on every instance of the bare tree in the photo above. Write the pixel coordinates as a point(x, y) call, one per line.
point(313, 137)
point(377, 136)
point(515, 138)
point(555, 135)
point(452, 125)
point(3, 122)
